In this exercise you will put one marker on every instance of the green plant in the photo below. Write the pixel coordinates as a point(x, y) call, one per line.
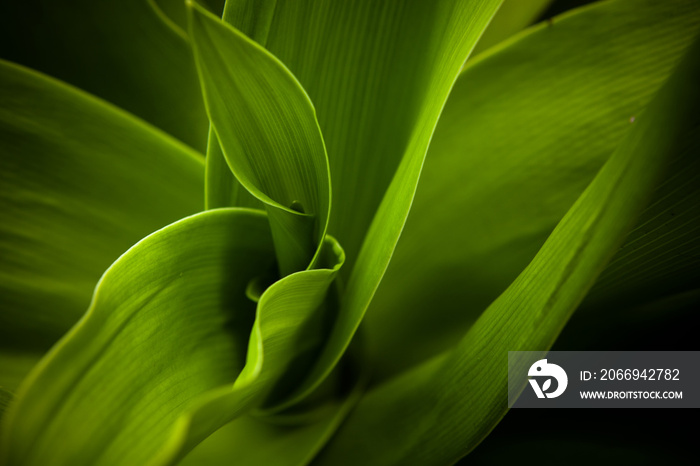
point(248, 312)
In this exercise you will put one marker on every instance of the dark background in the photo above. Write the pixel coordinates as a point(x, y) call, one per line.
point(605, 436)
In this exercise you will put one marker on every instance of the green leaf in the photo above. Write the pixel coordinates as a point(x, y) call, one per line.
point(222, 189)
point(252, 18)
point(80, 182)
point(461, 25)
point(163, 357)
point(299, 304)
point(169, 321)
point(15, 364)
point(371, 69)
point(289, 315)
point(508, 160)
point(661, 256)
point(5, 399)
point(439, 411)
point(174, 12)
point(512, 17)
point(269, 135)
point(120, 50)
point(254, 440)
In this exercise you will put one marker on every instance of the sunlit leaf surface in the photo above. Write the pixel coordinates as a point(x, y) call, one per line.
point(249, 177)
point(439, 411)
point(507, 162)
point(80, 182)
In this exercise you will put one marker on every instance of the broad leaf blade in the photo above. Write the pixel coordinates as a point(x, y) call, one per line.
point(5, 400)
point(80, 182)
point(661, 256)
point(461, 25)
point(464, 392)
point(525, 129)
point(369, 67)
point(254, 440)
point(168, 323)
point(222, 189)
point(268, 132)
point(119, 50)
point(15, 364)
point(172, 347)
point(512, 17)
point(174, 12)
point(289, 322)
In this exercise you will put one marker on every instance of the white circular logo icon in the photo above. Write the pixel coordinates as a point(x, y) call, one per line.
point(542, 369)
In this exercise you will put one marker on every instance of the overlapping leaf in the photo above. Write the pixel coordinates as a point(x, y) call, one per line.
point(457, 27)
point(169, 321)
point(169, 351)
point(5, 398)
point(174, 12)
point(222, 189)
point(119, 50)
point(524, 131)
point(254, 440)
point(370, 69)
point(289, 319)
point(512, 17)
point(267, 129)
point(439, 411)
point(410, 125)
point(80, 182)
point(661, 257)
point(16, 362)
point(163, 357)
